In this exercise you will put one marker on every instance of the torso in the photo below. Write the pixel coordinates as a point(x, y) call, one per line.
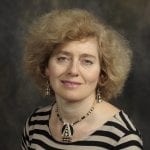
point(101, 114)
point(104, 135)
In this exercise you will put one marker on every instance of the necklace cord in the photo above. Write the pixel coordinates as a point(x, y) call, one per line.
point(82, 118)
point(67, 128)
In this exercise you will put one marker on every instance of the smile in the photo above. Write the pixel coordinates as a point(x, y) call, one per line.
point(70, 84)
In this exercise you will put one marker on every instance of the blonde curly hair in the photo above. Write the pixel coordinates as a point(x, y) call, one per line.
point(61, 26)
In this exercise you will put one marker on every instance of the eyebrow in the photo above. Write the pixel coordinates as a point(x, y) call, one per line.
point(69, 54)
point(63, 52)
point(88, 55)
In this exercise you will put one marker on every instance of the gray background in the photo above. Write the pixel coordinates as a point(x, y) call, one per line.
point(19, 96)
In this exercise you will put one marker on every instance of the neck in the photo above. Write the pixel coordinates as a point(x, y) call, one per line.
point(72, 111)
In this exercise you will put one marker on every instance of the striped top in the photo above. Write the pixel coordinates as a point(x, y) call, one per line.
point(116, 134)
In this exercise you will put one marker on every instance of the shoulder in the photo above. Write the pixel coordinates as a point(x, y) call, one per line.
point(36, 123)
point(38, 118)
point(129, 136)
point(42, 110)
point(122, 122)
point(117, 118)
point(39, 115)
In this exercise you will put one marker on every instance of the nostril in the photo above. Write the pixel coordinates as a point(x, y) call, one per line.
point(73, 69)
point(73, 74)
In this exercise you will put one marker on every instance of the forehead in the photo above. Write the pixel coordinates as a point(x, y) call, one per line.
point(84, 46)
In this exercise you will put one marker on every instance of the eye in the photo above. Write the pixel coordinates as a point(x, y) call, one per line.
point(62, 59)
point(87, 62)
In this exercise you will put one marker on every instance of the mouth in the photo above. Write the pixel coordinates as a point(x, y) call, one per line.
point(70, 84)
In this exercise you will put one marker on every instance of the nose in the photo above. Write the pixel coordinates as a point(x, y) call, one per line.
point(73, 69)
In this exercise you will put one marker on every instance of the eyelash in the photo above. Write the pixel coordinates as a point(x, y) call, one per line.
point(62, 58)
point(84, 61)
point(88, 62)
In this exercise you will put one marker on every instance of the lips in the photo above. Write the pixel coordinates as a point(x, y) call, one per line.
point(70, 84)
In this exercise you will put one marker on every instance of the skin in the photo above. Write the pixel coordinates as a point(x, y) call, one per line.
point(73, 72)
point(68, 72)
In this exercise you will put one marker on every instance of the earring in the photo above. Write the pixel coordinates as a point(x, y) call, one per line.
point(98, 96)
point(47, 90)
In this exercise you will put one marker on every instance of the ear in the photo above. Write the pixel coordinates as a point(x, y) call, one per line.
point(47, 72)
point(103, 78)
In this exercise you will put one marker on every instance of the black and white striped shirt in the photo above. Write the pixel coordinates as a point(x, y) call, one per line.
point(116, 134)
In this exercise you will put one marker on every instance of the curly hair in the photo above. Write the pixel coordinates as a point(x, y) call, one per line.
point(61, 26)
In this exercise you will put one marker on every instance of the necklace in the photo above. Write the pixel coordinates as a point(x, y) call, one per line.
point(67, 129)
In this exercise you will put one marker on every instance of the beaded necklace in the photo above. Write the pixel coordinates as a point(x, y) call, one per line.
point(67, 129)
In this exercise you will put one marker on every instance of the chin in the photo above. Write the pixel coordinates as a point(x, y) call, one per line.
point(72, 97)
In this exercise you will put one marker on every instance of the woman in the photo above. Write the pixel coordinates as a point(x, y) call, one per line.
point(83, 63)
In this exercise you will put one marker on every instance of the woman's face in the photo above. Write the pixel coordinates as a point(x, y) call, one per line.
point(74, 70)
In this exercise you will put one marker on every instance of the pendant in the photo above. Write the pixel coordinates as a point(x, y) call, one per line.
point(67, 132)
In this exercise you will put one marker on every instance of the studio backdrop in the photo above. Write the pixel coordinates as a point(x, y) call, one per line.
point(19, 96)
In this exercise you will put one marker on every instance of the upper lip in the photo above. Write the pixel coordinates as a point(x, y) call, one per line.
point(72, 82)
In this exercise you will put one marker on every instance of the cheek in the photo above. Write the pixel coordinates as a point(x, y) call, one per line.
point(55, 71)
point(93, 76)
